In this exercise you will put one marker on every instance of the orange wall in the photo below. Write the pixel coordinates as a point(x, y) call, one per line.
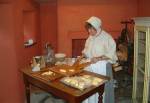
point(67, 17)
point(5, 1)
point(9, 65)
point(72, 15)
point(13, 54)
point(30, 24)
point(49, 24)
point(144, 9)
point(31, 20)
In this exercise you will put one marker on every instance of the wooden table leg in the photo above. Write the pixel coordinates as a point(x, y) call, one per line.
point(100, 98)
point(27, 90)
point(28, 94)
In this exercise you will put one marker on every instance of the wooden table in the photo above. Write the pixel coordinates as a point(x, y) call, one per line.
point(61, 90)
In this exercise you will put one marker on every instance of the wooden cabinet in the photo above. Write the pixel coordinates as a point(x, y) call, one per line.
point(141, 73)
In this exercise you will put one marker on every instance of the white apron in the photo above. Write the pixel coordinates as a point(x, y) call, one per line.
point(100, 68)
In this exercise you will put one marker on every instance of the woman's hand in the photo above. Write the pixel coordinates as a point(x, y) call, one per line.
point(96, 59)
point(77, 62)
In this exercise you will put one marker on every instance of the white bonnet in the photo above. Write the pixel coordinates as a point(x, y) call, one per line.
point(95, 22)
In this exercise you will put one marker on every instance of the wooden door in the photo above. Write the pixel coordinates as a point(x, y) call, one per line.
point(77, 46)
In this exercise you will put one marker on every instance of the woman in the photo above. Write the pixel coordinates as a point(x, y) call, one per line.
point(101, 49)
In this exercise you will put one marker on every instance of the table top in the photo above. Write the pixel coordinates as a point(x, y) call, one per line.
point(56, 87)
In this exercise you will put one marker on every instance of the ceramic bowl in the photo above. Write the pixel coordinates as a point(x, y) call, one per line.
point(60, 56)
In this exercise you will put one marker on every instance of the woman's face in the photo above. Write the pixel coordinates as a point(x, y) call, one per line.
point(92, 31)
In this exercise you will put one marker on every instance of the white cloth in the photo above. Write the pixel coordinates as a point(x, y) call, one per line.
point(95, 22)
point(101, 44)
point(100, 68)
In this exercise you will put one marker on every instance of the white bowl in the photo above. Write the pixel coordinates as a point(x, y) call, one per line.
point(60, 56)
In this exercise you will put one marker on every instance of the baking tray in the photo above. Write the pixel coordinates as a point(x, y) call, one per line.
point(65, 70)
point(49, 77)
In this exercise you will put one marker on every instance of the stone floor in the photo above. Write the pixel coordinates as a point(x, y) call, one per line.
point(123, 90)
